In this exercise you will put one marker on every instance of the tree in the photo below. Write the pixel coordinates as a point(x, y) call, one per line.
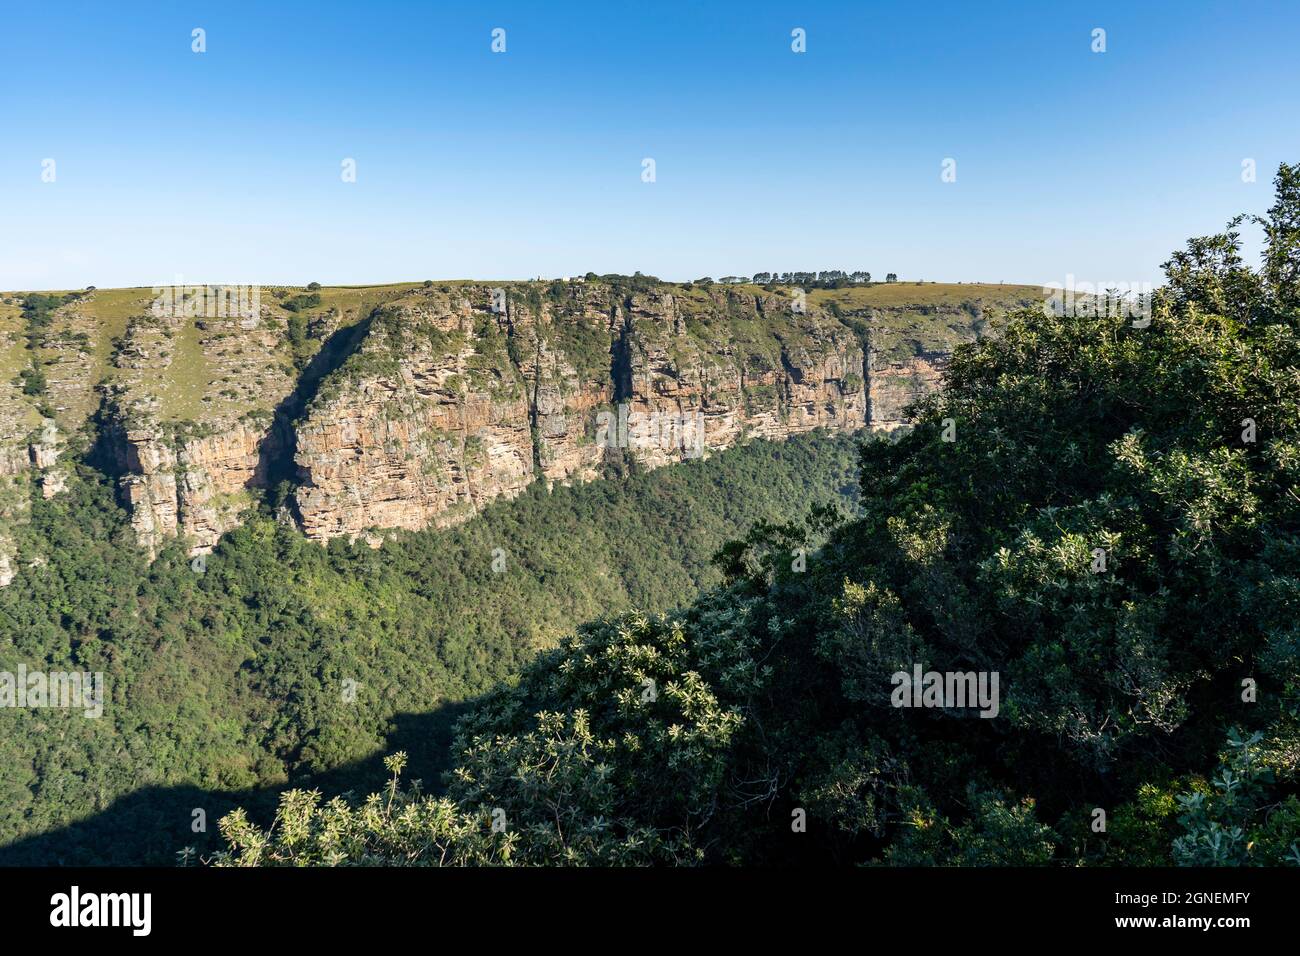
point(32, 379)
point(1239, 821)
point(302, 302)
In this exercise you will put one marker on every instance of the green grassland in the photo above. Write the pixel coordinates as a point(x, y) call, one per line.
point(13, 348)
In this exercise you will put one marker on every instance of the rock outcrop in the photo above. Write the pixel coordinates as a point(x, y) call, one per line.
point(26, 460)
point(189, 422)
point(422, 425)
point(456, 399)
point(415, 406)
point(703, 373)
point(895, 386)
point(31, 447)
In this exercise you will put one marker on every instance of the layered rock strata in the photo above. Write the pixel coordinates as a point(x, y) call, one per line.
point(415, 406)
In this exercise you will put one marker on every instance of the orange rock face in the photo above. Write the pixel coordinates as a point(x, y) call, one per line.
point(416, 406)
point(451, 402)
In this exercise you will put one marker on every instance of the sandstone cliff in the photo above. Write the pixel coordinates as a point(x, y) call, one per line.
point(456, 398)
point(423, 424)
point(413, 406)
point(31, 443)
point(188, 421)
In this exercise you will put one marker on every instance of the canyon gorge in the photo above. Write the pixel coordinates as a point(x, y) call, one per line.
point(354, 411)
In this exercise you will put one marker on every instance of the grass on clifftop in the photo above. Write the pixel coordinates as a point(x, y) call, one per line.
point(904, 318)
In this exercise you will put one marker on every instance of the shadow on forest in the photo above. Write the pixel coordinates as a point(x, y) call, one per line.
point(149, 826)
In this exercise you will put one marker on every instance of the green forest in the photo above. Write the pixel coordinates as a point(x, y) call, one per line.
point(278, 662)
point(1101, 512)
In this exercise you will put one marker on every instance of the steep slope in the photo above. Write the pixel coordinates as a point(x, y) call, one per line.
point(458, 396)
point(414, 405)
point(226, 682)
point(187, 421)
point(190, 396)
point(426, 422)
point(1083, 611)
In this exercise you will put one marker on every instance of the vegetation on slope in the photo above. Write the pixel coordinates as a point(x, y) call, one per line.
point(284, 660)
point(1102, 514)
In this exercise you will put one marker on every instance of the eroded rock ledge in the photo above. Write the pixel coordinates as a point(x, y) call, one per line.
point(359, 410)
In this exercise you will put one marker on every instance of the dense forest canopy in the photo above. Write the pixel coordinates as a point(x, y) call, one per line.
point(1099, 511)
point(276, 661)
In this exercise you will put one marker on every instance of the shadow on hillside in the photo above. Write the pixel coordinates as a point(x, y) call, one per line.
point(277, 452)
point(149, 826)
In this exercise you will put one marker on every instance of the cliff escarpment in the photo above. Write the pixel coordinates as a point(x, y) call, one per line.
point(458, 397)
point(355, 410)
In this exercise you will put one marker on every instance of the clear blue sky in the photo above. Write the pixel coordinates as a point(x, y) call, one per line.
point(225, 166)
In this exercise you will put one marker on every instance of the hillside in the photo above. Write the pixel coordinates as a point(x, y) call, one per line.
point(462, 425)
point(227, 681)
point(358, 410)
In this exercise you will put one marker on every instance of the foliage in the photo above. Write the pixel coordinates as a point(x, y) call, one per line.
point(227, 684)
point(302, 302)
point(1237, 823)
point(1099, 510)
point(33, 380)
point(401, 826)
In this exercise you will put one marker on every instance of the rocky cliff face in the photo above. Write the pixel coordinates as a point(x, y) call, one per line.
point(16, 422)
point(455, 399)
point(31, 443)
point(704, 372)
point(426, 422)
point(563, 353)
point(896, 385)
point(415, 406)
point(193, 485)
point(30, 459)
point(188, 421)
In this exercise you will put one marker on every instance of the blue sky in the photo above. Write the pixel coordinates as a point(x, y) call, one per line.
point(225, 166)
